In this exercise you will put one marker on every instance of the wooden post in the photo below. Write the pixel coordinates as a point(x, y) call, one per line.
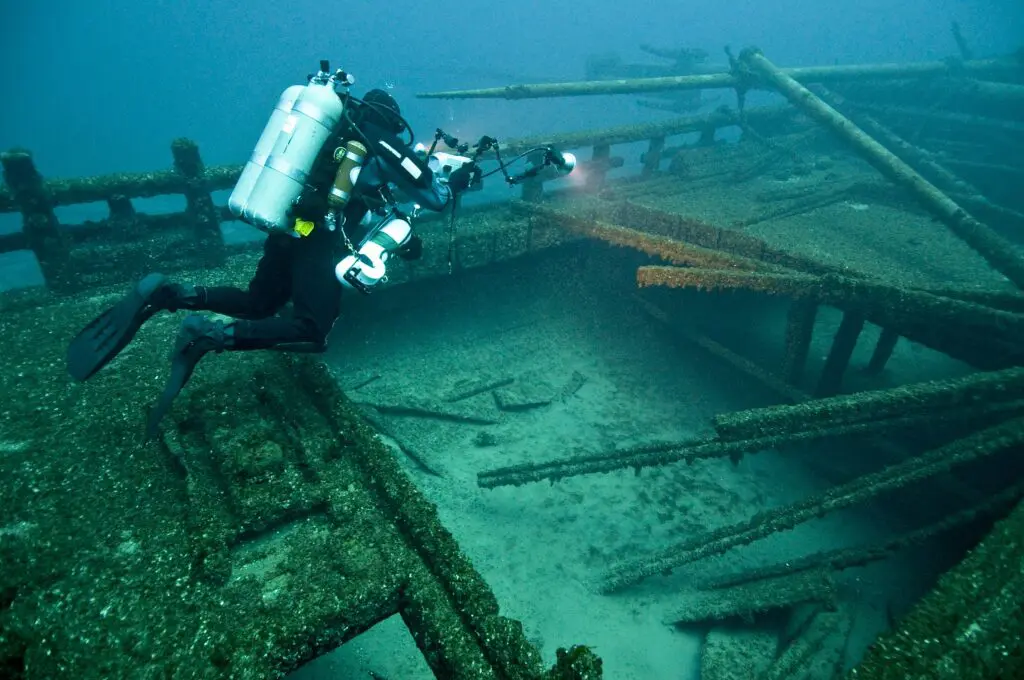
point(598, 166)
point(707, 136)
point(997, 251)
point(123, 217)
point(883, 350)
point(969, 330)
point(533, 190)
point(652, 159)
point(839, 356)
point(799, 332)
point(200, 208)
point(961, 43)
point(42, 230)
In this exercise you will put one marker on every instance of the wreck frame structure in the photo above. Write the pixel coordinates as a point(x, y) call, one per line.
point(313, 536)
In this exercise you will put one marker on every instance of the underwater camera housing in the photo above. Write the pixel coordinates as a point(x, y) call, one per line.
point(443, 164)
point(545, 162)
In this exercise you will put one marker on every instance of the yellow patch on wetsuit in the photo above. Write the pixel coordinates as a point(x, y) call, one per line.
point(303, 227)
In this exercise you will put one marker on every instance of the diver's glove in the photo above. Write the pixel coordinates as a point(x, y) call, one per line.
point(462, 179)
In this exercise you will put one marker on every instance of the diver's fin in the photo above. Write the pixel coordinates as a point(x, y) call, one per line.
point(97, 344)
point(196, 337)
point(181, 370)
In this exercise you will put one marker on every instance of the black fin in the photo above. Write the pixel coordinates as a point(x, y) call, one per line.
point(97, 344)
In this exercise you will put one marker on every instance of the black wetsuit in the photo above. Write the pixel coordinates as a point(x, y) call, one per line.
point(302, 269)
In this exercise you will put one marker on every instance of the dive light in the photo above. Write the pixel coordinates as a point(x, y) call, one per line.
point(552, 165)
point(564, 161)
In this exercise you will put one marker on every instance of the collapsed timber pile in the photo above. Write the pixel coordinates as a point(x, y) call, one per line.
point(968, 627)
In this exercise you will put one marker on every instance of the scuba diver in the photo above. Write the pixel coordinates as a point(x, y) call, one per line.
point(323, 182)
point(320, 175)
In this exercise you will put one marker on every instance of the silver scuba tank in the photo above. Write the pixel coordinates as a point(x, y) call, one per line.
point(276, 173)
point(254, 167)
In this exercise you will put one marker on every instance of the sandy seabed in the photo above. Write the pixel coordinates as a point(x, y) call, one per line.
point(542, 547)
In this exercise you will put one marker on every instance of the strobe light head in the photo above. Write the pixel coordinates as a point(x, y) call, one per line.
point(564, 162)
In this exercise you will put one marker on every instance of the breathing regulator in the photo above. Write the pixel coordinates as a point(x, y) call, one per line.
point(305, 119)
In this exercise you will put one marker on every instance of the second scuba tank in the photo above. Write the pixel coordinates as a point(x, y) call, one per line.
point(276, 173)
point(350, 158)
point(251, 172)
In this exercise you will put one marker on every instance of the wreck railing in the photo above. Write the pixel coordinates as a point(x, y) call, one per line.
point(128, 242)
point(60, 249)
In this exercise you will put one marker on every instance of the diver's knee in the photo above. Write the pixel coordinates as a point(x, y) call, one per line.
point(314, 334)
point(172, 296)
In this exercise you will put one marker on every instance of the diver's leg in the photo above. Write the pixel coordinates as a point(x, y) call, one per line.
point(268, 290)
point(308, 273)
point(317, 302)
point(104, 338)
point(316, 292)
point(199, 335)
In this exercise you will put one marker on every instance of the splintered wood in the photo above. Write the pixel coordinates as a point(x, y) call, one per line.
point(477, 387)
point(795, 285)
point(744, 601)
point(981, 444)
point(576, 381)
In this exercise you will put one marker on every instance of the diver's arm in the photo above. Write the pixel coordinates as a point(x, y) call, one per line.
point(394, 162)
point(433, 197)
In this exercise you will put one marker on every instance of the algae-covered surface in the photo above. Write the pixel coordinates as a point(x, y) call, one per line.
point(265, 526)
point(969, 627)
point(826, 206)
point(113, 564)
point(268, 524)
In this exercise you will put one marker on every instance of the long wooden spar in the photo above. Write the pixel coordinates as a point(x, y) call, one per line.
point(809, 74)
